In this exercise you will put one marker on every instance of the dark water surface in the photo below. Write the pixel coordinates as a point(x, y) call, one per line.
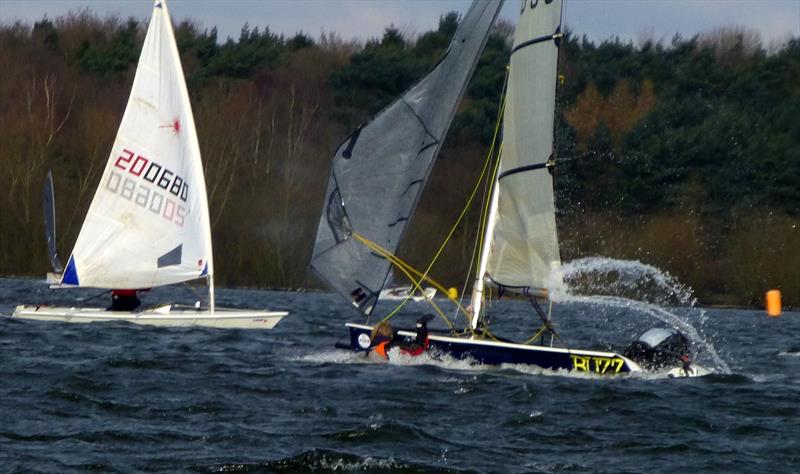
point(122, 398)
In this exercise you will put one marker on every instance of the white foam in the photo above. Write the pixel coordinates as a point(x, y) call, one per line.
point(633, 285)
point(334, 357)
point(368, 463)
point(397, 357)
point(789, 353)
point(602, 275)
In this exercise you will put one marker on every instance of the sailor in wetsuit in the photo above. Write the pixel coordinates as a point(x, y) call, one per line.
point(384, 338)
point(124, 300)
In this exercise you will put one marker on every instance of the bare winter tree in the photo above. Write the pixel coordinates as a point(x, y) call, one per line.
point(731, 43)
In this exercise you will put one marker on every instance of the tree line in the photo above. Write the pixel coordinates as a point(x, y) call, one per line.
point(682, 154)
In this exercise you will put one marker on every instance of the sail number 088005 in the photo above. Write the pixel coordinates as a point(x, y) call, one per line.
point(146, 197)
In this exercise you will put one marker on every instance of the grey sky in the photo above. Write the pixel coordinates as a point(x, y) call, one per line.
point(776, 20)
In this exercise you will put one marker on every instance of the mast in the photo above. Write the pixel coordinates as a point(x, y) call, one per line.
point(204, 213)
point(520, 246)
point(478, 287)
point(211, 293)
point(524, 247)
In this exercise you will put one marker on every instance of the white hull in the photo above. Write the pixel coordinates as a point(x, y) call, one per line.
point(693, 371)
point(401, 293)
point(162, 316)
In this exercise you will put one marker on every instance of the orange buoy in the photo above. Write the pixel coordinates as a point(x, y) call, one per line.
point(774, 303)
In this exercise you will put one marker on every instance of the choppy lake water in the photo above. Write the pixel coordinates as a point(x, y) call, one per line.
point(122, 398)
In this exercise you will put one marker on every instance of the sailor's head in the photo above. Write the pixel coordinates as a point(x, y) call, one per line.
point(382, 329)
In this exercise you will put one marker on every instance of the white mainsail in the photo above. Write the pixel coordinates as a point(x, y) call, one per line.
point(522, 245)
point(148, 224)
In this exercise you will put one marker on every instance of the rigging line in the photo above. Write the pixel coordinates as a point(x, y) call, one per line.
point(536, 336)
point(543, 317)
point(442, 315)
point(408, 270)
point(95, 296)
point(195, 292)
point(476, 246)
point(485, 215)
point(492, 182)
point(456, 224)
point(482, 219)
point(424, 276)
point(384, 253)
point(486, 194)
point(485, 212)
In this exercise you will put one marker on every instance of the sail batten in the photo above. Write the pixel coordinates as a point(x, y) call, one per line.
point(379, 171)
point(148, 222)
point(523, 246)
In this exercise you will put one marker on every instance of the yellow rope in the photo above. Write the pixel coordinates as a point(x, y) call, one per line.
point(536, 336)
point(407, 269)
point(424, 276)
point(410, 272)
point(484, 218)
point(417, 277)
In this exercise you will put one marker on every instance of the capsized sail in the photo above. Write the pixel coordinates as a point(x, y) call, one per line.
point(148, 223)
point(524, 246)
point(378, 173)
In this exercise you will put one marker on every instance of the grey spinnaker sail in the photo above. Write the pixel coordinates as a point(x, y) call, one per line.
point(378, 173)
point(524, 245)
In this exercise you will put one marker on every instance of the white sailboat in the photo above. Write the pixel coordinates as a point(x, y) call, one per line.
point(520, 253)
point(148, 224)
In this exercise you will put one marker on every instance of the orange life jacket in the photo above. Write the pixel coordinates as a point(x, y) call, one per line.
point(381, 349)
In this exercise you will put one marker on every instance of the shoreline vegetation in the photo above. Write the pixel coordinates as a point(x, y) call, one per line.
point(684, 155)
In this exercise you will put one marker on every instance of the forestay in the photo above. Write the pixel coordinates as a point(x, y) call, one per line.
point(379, 171)
point(524, 245)
point(148, 223)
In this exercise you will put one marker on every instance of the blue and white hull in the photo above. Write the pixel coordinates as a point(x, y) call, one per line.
point(484, 351)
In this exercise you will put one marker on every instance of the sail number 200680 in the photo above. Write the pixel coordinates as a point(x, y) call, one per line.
point(141, 193)
point(155, 173)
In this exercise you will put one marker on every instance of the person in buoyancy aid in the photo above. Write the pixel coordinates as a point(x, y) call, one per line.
point(384, 338)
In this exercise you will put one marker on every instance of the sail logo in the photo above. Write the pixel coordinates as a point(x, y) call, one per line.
point(150, 176)
point(364, 341)
point(596, 364)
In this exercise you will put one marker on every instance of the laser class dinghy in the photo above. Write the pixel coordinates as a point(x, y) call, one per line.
point(378, 174)
point(148, 224)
